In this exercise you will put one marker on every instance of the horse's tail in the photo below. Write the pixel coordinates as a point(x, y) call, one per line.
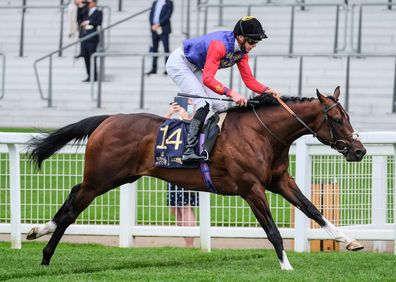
point(42, 147)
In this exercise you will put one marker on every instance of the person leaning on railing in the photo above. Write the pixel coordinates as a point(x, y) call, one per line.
point(180, 200)
point(193, 67)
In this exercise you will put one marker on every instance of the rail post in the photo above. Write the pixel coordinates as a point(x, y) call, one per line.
point(394, 200)
point(291, 30)
point(335, 48)
point(188, 19)
point(204, 221)
point(15, 196)
point(348, 66)
point(359, 47)
point(61, 28)
point(379, 196)
point(2, 87)
point(303, 180)
point(394, 90)
point(300, 75)
point(50, 82)
point(220, 22)
point(127, 214)
point(22, 35)
point(141, 104)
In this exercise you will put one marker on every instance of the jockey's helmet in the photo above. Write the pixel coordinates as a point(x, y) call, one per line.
point(250, 28)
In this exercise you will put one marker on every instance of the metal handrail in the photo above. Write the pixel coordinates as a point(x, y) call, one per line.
point(360, 22)
point(254, 57)
point(24, 7)
point(249, 7)
point(301, 57)
point(100, 77)
point(3, 75)
point(99, 32)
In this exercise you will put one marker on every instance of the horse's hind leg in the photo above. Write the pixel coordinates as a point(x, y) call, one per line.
point(258, 202)
point(37, 232)
point(80, 197)
point(287, 187)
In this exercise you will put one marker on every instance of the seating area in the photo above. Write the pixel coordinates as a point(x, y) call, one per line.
point(370, 85)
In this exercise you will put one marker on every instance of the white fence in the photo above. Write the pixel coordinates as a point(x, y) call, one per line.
point(363, 197)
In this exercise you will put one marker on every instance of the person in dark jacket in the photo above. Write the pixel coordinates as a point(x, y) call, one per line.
point(89, 25)
point(160, 25)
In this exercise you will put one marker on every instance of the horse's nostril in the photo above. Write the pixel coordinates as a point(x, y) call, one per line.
point(360, 153)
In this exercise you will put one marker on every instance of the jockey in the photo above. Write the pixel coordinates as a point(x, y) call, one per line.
point(193, 67)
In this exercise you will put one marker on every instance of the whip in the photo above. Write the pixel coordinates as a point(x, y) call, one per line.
point(212, 98)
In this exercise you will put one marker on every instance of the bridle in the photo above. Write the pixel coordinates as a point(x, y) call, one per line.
point(334, 141)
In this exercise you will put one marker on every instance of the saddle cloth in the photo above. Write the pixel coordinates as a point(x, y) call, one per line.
point(171, 141)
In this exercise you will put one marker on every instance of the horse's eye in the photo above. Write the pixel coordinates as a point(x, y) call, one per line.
point(338, 121)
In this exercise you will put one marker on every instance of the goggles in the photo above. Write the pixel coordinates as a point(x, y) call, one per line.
point(251, 41)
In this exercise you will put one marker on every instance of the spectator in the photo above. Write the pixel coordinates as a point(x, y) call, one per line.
point(77, 11)
point(89, 25)
point(160, 14)
point(72, 17)
point(179, 200)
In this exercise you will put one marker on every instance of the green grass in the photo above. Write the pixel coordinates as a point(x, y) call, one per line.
point(73, 262)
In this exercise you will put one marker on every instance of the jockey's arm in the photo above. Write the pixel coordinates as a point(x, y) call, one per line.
point(250, 81)
point(216, 51)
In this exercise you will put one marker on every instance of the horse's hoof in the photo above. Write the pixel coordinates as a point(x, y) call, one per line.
point(45, 262)
point(354, 246)
point(32, 233)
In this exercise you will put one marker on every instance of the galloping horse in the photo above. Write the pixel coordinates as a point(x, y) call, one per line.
point(250, 155)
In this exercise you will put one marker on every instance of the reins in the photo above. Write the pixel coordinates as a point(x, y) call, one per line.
point(332, 143)
point(286, 107)
point(267, 128)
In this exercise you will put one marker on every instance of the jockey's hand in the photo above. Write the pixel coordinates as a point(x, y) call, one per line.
point(274, 92)
point(238, 98)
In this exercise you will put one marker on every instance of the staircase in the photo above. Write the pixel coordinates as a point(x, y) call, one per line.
point(371, 85)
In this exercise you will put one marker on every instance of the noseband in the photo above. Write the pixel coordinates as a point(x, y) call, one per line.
point(334, 140)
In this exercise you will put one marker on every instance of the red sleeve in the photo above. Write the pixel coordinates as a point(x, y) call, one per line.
point(216, 51)
point(247, 76)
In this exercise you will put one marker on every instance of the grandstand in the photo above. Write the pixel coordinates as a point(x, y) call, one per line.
point(371, 85)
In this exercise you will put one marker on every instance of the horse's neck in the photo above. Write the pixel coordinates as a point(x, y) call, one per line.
point(287, 128)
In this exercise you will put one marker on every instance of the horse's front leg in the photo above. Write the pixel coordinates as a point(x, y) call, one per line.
point(287, 187)
point(258, 202)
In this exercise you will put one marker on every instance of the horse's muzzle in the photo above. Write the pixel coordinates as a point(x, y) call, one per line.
point(356, 154)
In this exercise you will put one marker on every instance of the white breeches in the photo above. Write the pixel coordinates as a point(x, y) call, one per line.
point(189, 79)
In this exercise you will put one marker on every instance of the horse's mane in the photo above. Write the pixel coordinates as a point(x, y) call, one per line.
point(268, 100)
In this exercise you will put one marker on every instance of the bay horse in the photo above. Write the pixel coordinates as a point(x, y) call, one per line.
point(250, 155)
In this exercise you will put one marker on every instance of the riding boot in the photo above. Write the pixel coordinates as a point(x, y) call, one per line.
point(192, 141)
point(192, 137)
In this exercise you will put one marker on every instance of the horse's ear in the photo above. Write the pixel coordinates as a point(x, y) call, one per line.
point(321, 97)
point(336, 93)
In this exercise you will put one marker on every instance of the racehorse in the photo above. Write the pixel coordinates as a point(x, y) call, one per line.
point(250, 155)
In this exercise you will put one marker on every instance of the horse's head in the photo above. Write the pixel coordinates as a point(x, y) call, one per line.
point(335, 129)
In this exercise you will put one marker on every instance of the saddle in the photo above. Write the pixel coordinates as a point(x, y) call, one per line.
point(171, 141)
